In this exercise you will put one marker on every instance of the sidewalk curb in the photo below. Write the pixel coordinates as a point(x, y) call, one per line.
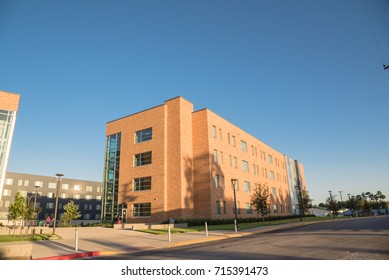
point(72, 256)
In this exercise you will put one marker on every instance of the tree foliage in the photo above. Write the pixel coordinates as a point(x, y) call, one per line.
point(306, 201)
point(259, 201)
point(71, 213)
point(21, 210)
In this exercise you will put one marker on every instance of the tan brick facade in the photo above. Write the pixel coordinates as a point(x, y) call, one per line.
point(194, 157)
point(9, 101)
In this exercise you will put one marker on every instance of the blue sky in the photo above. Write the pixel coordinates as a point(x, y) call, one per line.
point(305, 77)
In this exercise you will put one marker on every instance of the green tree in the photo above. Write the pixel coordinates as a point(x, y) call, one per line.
point(20, 210)
point(71, 213)
point(259, 201)
point(332, 205)
point(306, 201)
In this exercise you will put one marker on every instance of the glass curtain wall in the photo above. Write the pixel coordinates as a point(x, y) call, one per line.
point(7, 124)
point(111, 179)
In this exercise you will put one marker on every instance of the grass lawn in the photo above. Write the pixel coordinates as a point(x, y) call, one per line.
point(165, 231)
point(16, 238)
point(231, 226)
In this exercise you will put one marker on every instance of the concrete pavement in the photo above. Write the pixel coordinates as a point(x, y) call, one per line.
point(98, 241)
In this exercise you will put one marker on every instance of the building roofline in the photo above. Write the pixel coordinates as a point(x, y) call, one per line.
point(145, 110)
point(50, 177)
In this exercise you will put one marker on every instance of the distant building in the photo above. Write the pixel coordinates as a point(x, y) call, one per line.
point(173, 162)
point(9, 103)
point(86, 194)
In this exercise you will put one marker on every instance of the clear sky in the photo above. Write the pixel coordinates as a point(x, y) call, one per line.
point(305, 77)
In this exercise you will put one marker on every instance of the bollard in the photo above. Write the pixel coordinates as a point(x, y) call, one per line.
point(76, 238)
point(206, 229)
point(169, 234)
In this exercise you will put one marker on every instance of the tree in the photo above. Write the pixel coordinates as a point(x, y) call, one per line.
point(21, 209)
point(259, 201)
point(332, 205)
point(71, 213)
point(306, 201)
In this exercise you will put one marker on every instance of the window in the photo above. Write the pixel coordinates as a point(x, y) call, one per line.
point(273, 191)
point(218, 207)
point(89, 189)
point(76, 196)
point(221, 157)
point(236, 185)
point(142, 184)
point(50, 205)
point(98, 217)
point(98, 207)
point(214, 134)
point(229, 138)
point(231, 160)
point(222, 182)
point(144, 135)
point(98, 197)
point(50, 195)
point(233, 140)
point(142, 159)
point(77, 187)
point(217, 178)
point(65, 186)
point(88, 197)
point(235, 163)
point(214, 155)
point(87, 216)
point(245, 166)
point(7, 192)
point(270, 159)
point(64, 196)
point(9, 181)
point(52, 185)
point(243, 146)
point(275, 208)
point(224, 207)
point(26, 183)
point(20, 183)
point(38, 183)
point(271, 175)
point(247, 186)
point(249, 209)
point(141, 210)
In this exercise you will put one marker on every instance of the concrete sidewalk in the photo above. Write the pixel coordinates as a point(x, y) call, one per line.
point(98, 241)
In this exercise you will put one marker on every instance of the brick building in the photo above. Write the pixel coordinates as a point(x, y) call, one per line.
point(9, 103)
point(172, 161)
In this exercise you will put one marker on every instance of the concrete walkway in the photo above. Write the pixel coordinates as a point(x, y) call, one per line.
point(98, 241)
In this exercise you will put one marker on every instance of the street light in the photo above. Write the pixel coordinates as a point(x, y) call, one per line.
point(36, 192)
point(59, 178)
point(233, 182)
point(332, 204)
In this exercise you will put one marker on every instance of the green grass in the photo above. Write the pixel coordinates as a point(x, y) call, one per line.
point(243, 226)
point(18, 238)
point(165, 231)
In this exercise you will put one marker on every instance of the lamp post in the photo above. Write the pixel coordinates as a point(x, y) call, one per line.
point(351, 200)
point(59, 178)
point(36, 192)
point(332, 204)
point(233, 182)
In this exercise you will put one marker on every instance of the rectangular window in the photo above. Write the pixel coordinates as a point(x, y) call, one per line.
point(245, 166)
point(214, 133)
point(76, 196)
point(142, 159)
point(217, 178)
point(38, 183)
point(233, 140)
point(214, 155)
point(222, 181)
point(50, 205)
point(229, 138)
point(231, 160)
point(89, 189)
point(271, 175)
point(23, 193)
point(224, 208)
point(88, 197)
point(20, 183)
point(98, 217)
point(243, 146)
point(236, 185)
point(249, 209)
point(9, 181)
point(26, 183)
point(273, 191)
point(142, 184)
point(98, 207)
point(50, 195)
point(221, 157)
point(218, 208)
point(143, 135)
point(52, 185)
point(275, 208)
point(77, 188)
point(235, 163)
point(65, 186)
point(64, 196)
point(98, 197)
point(247, 186)
point(270, 159)
point(87, 216)
point(141, 210)
point(7, 192)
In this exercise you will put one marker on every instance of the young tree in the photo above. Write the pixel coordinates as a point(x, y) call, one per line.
point(259, 201)
point(20, 210)
point(71, 213)
point(332, 205)
point(306, 201)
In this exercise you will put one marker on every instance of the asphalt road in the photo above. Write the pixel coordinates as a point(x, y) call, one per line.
point(351, 239)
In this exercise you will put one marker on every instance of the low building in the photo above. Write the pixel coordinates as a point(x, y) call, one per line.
point(87, 195)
